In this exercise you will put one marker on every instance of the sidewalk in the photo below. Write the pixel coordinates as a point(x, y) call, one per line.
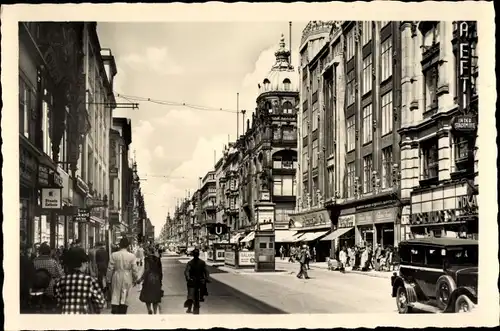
point(324, 266)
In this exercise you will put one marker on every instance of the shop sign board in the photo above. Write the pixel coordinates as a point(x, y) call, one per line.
point(230, 258)
point(384, 215)
point(219, 254)
point(114, 218)
point(246, 258)
point(57, 179)
point(319, 218)
point(83, 215)
point(43, 175)
point(346, 221)
point(364, 218)
point(51, 198)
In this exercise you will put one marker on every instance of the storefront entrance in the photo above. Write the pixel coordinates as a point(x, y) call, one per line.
point(385, 234)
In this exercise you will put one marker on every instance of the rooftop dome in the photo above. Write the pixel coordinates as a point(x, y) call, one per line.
point(282, 76)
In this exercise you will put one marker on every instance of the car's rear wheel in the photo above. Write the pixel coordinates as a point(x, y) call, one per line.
point(402, 301)
point(463, 304)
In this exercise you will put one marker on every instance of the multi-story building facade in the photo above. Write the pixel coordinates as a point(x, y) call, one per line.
point(354, 175)
point(208, 193)
point(439, 161)
point(220, 185)
point(121, 181)
point(231, 201)
point(268, 147)
point(66, 102)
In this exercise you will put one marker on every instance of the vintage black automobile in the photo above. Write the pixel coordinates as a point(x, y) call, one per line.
point(436, 275)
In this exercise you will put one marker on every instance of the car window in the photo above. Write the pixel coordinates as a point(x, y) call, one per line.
point(417, 255)
point(463, 255)
point(434, 258)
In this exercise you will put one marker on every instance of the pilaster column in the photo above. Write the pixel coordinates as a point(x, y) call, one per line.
point(407, 73)
point(413, 50)
point(406, 169)
point(445, 99)
point(444, 155)
point(417, 162)
point(419, 94)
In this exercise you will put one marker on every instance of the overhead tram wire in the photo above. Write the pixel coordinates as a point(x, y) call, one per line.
point(132, 98)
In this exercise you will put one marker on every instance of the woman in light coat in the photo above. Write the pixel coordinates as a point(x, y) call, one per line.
point(122, 275)
point(342, 259)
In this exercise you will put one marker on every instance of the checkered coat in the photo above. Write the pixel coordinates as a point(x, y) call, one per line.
point(78, 293)
point(53, 267)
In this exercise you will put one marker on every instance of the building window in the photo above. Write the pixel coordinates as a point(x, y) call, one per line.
point(46, 123)
point(350, 88)
point(351, 174)
point(305, 161)
point(277, 133)
point(386, 59)
point(387, 162)
point(431, 82)
point(367, 173)
point(287, 84)
point(331, 184)
point(367, 74)
point(315, 154)
point(387, 113)
point(351, 133)
point(350, 45)
point(430, 159)
point(27, 101)
point(315, 118)
point(289, 134)
point(367, 124)
point(367, 32)
point(287, 107)
point(305, 127)
point(314, 81)
point(284, 186)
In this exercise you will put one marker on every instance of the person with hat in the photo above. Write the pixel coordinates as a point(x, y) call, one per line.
point(121, 276)
point(303, 259)
point(77, 292)
point(196, 274)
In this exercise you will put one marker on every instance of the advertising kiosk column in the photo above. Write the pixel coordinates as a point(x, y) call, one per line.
point(264, 237)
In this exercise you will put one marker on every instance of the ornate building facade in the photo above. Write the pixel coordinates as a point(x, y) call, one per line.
point(268, 148)
point(439, 158)
point(350, 114)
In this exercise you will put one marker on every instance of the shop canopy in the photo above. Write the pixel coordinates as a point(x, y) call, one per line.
point(284, 236)
point(236, 237)
point(249, 237)
point(336, 234)
point(310, 236)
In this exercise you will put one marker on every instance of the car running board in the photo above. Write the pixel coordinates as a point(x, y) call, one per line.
point(425, 307)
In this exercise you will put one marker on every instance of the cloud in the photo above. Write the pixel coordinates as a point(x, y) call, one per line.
point(159, 152)
point(185, 116)
point(156, 59)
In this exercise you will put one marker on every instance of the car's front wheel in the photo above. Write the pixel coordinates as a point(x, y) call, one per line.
point(402, 301)
point(463, 304)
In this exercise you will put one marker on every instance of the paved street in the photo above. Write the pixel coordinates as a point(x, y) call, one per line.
point(221, 299)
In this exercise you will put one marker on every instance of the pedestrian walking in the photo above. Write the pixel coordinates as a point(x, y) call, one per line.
point(92, 262)
point(121, 275)
point(342, 259)
point(47, 269)
point(282, 252)
point(313, 254)
point(292, 254)
point(308, 257)
point(302, 260)
point(77, 292)
point(197, 277)
point(151, 278)
point(139, 254)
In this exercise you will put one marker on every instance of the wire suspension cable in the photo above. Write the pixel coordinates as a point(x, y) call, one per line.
point(132, 98)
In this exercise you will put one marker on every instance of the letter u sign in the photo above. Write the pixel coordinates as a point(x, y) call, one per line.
point(218, 230)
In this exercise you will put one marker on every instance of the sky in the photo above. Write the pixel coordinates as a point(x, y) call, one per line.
point(204, 64)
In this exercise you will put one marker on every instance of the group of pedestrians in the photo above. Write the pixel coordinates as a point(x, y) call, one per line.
point(80, 282)
point(365, 258)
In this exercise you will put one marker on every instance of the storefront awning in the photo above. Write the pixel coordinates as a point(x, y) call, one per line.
point(310, 236)
point(336, 234)
point(236, 237)
point(249, 237)
point(284, 236)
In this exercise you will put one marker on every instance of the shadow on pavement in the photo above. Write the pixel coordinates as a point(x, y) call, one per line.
point(258, 304)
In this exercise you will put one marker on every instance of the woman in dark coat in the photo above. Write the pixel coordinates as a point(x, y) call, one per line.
point(152, 278)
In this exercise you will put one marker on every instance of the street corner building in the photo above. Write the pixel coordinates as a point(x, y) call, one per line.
point(70, 185)
point(383, 153)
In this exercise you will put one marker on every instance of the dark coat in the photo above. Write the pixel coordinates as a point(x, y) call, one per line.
point(152, 277)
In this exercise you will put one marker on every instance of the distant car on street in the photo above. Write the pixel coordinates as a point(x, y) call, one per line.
point(438, 275)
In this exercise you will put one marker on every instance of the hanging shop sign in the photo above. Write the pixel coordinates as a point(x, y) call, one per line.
point(82, 216)
point(43, 175)
point(57, 179)
point(51, 198)
point(347, 221)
